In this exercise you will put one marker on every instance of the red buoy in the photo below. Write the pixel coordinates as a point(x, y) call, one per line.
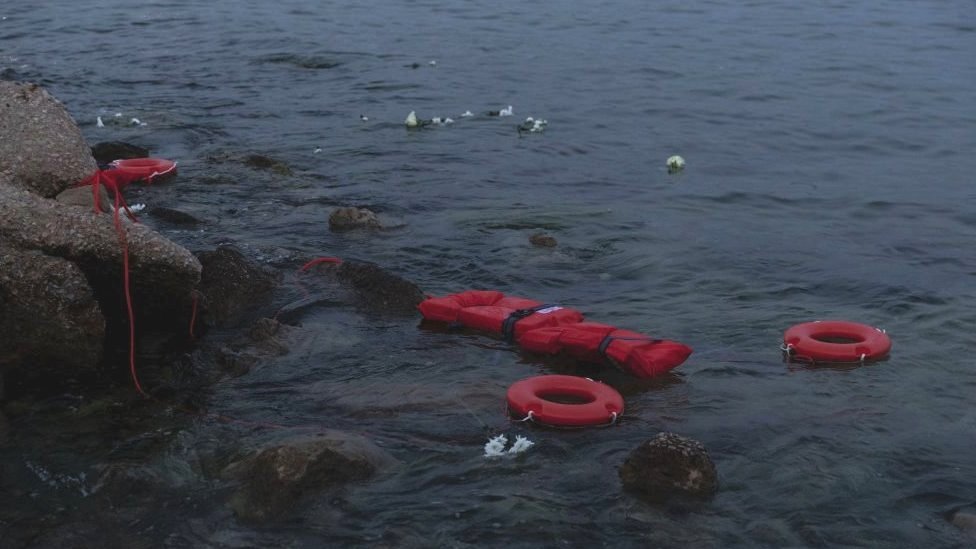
point(536, 398)
point(145, 168)
point(836, 341)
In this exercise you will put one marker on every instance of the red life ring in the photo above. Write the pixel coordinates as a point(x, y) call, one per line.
point(145, 168)
point(836, 341)
point(529, 399)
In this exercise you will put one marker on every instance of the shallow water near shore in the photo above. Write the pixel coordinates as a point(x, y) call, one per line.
point(829, 175)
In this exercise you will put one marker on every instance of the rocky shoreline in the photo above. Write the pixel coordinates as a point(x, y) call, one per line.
point(61, 280)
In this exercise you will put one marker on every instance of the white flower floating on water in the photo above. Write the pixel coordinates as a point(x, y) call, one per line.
point(317, 150)
point(98, 122)
point(495, 447)
point(411, 120)
point(505, 112)
point(675, 164)
point(533, 125)
point(137, 122)
point(466, 114)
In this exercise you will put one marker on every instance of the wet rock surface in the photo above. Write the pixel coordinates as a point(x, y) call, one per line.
point(669, 466)
point(964, 520)
point(272, 480)
point(233, 284)
point(347, 219)
point(542, 240)
point(41, 147)
point(173, 216)
point(107, 151)
point(379, 289)
point(262, 162)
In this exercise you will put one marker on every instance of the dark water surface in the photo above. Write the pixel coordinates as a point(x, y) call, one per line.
point(830, 175)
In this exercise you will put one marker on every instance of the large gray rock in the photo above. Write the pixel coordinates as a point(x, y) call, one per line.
point(61, 262)
point(668, 466)
point(50, 315)
point(41, 147)
point(159, 268)
point(274, 479)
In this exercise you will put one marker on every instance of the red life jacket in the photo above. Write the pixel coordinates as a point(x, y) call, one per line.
point(492, 311)
point(634, 353)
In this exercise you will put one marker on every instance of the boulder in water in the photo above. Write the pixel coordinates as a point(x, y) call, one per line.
point(667, 466)
point(273, 480)
point(347, 219)
point(232, 284)
point(107, 151)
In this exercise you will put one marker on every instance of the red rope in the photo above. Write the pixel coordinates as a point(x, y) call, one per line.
point(319, 261)
point(128, 297)
point(193, 314)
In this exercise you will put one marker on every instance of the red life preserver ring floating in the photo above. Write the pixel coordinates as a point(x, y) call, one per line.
point(145, 168)
point(836, 341)
point(529, 399)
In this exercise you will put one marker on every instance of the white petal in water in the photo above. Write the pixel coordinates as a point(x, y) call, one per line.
point(118, 115)
point(432, 63)
point(135, 122)
point(506, 112)
point(675, 164)
point(363, 117)
point(466, 114)
point(317, 150)
point(495, 447)
point(98, 122)
point(521, 444)
point(411, 120)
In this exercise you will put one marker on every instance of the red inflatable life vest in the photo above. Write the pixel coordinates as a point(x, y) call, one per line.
point(494, 312)
point(631, 352)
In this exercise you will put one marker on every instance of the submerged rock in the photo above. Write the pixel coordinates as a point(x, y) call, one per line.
point(347, 219)
point(262, 162)
point(965, 521)
point(542, 240)
point(274, 479)
point(41, 147)
point(175, 217)
point(667, 466)
point(108, 151)
point(232, 284)
point(379, 289)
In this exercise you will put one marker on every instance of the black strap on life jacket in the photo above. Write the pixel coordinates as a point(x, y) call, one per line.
point(508, 325)
point(609, 338)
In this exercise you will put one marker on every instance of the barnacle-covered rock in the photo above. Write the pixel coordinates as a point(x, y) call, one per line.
point(669, 465)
